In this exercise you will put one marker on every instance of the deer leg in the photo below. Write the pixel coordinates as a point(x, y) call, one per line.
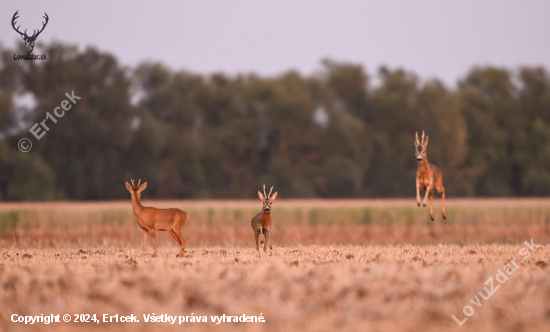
point(257, 238)
point(145, 234)
point(431, 204)
point(176, 238)
point(443, 204)
point(182, 242)
point(154, 237)
point(266, 234)
point(417, 193)
point(182, 248)
point(425, 202)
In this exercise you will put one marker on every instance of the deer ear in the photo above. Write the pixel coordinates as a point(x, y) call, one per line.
point(142, 187)
point(22, 37)
point(128, 186)
point(416, 140)
point(426, 141)
point(273, 196)
point(261, 195)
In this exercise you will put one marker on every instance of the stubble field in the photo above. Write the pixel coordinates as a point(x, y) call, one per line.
point(335, 265)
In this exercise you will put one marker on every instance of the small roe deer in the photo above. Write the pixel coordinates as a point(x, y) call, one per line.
point(428, 176)
point(261, 223)
point(152, 219)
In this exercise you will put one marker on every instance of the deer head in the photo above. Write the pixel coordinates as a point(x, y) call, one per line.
point(421, 146)
point(267, 200)
point(136, 190)
point(29, 40)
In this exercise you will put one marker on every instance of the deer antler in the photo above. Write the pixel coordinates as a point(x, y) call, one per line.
point(422, 137)
point(270, 190)
point(15, 17)
point(43, 26)
point(416, 140)
point(133, 185)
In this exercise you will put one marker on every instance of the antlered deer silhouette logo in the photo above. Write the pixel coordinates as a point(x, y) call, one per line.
point(29, 40)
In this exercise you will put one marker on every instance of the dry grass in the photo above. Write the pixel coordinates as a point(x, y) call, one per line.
point(328, 270)
point(320, 222)
point(314, 288)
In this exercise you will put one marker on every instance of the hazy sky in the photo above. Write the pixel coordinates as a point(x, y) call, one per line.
point(433, 38)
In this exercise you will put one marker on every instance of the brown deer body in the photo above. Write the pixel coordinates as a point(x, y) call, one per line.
point(152, 219)
point(261, 223)
point(428, 177)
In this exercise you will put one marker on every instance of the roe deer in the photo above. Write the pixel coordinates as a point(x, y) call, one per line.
point(428, 177)
point(261, 223)
point(152, 219)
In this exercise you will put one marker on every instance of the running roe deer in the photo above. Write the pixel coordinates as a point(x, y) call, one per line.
point(428, 176)
point(261, 223)
point(152, 219)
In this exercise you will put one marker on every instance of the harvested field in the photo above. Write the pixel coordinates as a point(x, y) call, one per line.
point(306, 222)
point(350, 265)
point(313, 288)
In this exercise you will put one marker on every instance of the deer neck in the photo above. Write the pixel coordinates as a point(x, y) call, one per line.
point(423, 165)
point(136, 205)
point(265, 215)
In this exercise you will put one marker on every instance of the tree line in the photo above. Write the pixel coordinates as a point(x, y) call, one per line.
point(330, 134)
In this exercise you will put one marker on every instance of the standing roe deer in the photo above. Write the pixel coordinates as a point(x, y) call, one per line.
point(428, 176)
point(261, 223)
point(151, 219)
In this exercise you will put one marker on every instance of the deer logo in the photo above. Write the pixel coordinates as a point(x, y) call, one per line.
point(428, 177)
point(29, 40)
